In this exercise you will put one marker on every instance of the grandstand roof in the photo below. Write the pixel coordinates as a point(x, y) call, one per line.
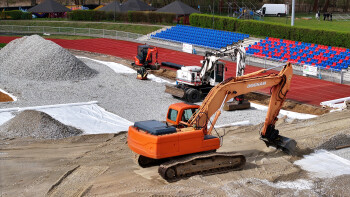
point(114, 6)
point(179, 8)
point(136, 5)
point(49, 6)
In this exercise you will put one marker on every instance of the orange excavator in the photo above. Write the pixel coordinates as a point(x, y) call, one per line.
point(185, 140)
point(144, 57)
point(144, 60)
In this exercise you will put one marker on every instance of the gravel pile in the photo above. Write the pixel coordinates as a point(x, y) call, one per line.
point(335, 141)
point(33, 57)
point(119, 93)
point(36, 124)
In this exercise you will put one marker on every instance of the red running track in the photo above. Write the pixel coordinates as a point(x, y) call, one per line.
point(303, 89)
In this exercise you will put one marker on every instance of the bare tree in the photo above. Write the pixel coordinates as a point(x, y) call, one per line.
point(325, 7)
point(346, 6)
point(315, 6)
point(78, 2)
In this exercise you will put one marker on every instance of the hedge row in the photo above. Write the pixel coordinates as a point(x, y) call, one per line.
point(15, 15)
point(131, 16)
point(265, 29)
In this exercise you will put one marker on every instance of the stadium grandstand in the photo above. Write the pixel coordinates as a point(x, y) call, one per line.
point(324, 57)
point(202, 37)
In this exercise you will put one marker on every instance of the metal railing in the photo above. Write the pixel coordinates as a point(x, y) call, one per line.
point(100, 33)
point(345, 17)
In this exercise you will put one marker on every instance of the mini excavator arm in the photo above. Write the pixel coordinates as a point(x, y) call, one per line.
point(152, 50)
point(233, 87)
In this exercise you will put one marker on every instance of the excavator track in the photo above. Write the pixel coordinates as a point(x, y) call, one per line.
point(145, 162)
point(201, 163)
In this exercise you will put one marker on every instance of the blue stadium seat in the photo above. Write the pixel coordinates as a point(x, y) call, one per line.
point(199, 36)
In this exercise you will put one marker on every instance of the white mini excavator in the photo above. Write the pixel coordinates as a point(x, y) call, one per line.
point(195, 82)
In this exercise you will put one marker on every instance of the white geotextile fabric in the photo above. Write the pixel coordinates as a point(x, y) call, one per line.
point(120, 68)
point(323, 164)
point(289, 114)
point(89, 117)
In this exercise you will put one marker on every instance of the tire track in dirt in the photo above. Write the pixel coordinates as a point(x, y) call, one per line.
point(76, 182)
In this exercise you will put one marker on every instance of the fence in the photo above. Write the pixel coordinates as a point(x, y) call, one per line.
point(100, 33)
point(344, 17)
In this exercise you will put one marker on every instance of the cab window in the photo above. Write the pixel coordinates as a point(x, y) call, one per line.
point(172, 115)
point(187, 114)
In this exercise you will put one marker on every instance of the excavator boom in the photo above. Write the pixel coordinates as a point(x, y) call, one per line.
point(233, 87)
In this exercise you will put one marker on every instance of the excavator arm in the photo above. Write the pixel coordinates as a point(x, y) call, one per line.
point(234, 51)
point(236, 86)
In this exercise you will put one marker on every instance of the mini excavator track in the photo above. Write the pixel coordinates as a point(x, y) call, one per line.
point(201, 163)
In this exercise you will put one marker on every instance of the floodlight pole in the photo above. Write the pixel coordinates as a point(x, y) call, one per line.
point(293, 10)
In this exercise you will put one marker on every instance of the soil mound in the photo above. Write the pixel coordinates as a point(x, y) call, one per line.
point(36, 124)
point(33, 57)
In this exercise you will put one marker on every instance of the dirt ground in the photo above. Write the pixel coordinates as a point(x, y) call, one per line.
point(102, 165)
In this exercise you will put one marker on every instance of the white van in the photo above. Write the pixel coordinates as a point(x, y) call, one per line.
point(273, 9)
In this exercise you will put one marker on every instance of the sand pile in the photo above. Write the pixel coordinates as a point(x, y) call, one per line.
point(5, 98)
point(36, 124)
point(33, 57)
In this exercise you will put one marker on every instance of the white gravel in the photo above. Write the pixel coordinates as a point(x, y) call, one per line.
point(33, 57)
point(119, 93)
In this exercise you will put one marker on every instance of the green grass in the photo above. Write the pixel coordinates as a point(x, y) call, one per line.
point(341, 26)
point(133, 28)
point(2, 45)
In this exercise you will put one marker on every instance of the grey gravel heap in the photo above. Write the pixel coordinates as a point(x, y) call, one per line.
point(36, 124)
point(335, 141)
point(34, 58)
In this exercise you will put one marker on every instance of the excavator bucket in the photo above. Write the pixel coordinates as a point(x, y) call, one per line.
point(285, 144)
point(173, 90)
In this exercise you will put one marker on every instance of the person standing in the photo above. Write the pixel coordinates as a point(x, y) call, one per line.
point(330, 15)
point(324, 16)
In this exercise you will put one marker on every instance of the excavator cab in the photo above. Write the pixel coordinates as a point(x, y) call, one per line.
point(218, 73)
point(180, 112)
point(144, 57)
